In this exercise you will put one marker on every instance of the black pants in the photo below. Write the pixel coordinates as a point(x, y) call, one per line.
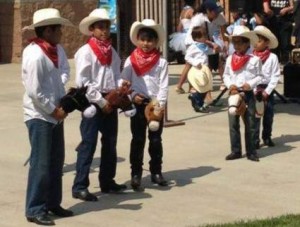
point(138, 125)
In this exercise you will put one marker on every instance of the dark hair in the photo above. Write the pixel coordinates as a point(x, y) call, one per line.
point(96, 22)
point(262, 37)
point(244, 39)
point(40, 30)
point(198, 32)
point(147, 33)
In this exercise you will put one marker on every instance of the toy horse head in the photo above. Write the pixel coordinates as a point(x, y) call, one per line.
point(154, 114)
point(236, 103)
point(120, 98)
point(75, 99)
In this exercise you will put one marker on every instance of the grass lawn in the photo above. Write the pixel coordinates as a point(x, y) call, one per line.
point(285, 221)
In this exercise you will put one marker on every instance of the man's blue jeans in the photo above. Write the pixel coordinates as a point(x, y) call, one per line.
point(107, 125)
point(44, 188)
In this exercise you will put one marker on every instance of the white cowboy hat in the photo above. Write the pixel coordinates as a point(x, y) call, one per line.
point(243, 31)
point(265, 32)
point(47, 16)
point(95, 15)
point(200, 79)
point(136, 26)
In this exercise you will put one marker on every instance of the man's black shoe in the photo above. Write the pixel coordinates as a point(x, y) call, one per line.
point(268, 142)
point(61, 212)
point(158, 179)
point(84, 195)
point(253, 157)
point(113, 187)
point(41, 220)
point(136, 184)
point(233, 156)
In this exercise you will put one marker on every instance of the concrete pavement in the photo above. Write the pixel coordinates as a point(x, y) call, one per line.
point(204, 187)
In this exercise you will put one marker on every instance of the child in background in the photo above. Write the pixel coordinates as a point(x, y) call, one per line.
point(148, 74)
point(271, 74)
point(197, 57)
point(177, 39)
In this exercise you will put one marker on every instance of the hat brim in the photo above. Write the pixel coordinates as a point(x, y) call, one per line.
point(270, 36)
point(84, 26)
point(136, 26)
point(192, 78)
point(249, 35)
point(51, 21)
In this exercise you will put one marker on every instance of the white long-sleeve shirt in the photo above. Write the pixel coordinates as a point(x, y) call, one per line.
point(99, 78)
point(43, 82)
point(251, 73)
point(196, 56)
point(271, 73)
point(154, 84)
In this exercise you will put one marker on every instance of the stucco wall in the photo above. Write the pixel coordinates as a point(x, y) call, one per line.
point(6, 30)
point(14, 15)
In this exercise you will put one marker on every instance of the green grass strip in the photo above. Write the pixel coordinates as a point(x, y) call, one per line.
point(282, 221)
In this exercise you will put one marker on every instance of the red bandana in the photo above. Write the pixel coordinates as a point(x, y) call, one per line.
point(142, 62)
point(263, 55)
point(239, 61)
point(102, 49)
point(49, 49)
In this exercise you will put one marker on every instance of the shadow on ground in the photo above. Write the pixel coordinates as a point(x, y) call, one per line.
point(280, 145)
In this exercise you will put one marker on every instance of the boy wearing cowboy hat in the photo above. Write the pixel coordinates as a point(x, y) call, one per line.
point(199, 76)
point(45, 71)
point(148, 73)
point(243, 72)
point(97, 67)
point(271, 74)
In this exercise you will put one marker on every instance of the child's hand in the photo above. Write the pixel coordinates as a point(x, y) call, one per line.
point(59, 114)
point(126, 83)
point(265, 96)
point(107, 109)
point(246, 87)
point(216, 48)
point(138, 99)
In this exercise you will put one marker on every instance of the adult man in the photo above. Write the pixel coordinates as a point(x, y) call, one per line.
point(45, 71)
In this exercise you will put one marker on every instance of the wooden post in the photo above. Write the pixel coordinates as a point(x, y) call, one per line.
point(167, 122)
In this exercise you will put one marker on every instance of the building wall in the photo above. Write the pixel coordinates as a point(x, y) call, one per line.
point(14, 15)
point(6, 30)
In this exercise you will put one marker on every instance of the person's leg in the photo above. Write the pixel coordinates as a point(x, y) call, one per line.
point(156, 154)
point(38, 186)
point(109, 130)
point(257, 132)
point(286, 29)
point(56, 166)
point(85, 152)
point(155, 149)
point(268, 121)
point(138, 126)
point(183, 78)
point(250, 127)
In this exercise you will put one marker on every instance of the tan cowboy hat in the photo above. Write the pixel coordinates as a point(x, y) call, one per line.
point(47, 16)
point(243, 31)
point(95, 15)
point(265, 32)
point(200, 79)
point(136, 26)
